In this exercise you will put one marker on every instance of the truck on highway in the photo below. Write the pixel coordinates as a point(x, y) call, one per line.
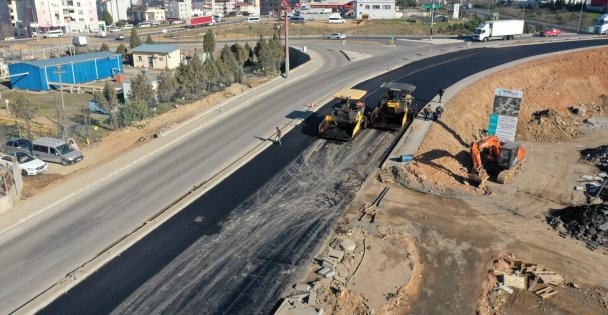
point(501, 29)
point(601, 25)
point(199, 21)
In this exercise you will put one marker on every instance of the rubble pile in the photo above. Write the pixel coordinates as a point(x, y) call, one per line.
point(597, 156)
point(585, 223)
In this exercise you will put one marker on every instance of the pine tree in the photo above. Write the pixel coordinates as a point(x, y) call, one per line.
point(249, 53)
point(239, 53)
point(134, 41)
point(149, 40)
point(107, 17)
point(185, 79)
point(209, 42)
point(104, 47)
point(234, 67)
point(22, 107)
point(121, 49)
point(141, 90)
point(167, 86)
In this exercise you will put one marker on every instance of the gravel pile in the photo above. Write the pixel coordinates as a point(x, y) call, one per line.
point(597, 156)
point(585, 223)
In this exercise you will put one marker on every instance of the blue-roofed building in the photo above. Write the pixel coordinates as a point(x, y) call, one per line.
point(42, 75)
point(156, 56)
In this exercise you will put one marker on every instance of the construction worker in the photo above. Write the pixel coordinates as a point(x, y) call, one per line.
point(441, 91)
point(278, 138)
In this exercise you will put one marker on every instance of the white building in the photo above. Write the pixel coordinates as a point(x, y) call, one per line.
point(155, 14)
point(374, 9)
point(117, 8)
point(178, 9)
point(71, 16)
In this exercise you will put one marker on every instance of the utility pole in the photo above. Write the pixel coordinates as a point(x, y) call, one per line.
point(580, 16)
point(432, 18)
point(63, 119)
point(285, 9)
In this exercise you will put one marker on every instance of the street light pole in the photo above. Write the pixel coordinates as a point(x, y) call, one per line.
point(63, 119)
point(432, 18)
point(285, 6)
point(580, 15)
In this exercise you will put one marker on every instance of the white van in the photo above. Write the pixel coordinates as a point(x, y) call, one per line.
point(54, 34)
point(144, 24)
point(253, 19)
point(335, 19)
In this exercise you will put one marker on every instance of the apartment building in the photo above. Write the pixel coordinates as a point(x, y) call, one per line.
point(117, 8)
point(178, 9)
point(39, 16)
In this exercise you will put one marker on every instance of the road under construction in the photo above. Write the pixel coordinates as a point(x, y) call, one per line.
point(261, 225)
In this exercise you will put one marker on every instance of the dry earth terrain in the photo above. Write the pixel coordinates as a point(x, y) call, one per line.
point(437, 244)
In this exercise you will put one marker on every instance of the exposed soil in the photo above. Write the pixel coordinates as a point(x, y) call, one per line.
point(560, 93)
point(459, 240)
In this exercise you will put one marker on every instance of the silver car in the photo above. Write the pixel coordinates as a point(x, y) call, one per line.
point(17, 145)
point(55, 150)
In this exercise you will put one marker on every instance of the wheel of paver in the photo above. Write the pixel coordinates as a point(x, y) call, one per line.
point(503, 177)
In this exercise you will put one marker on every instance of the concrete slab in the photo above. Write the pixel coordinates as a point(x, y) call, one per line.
point(348, 245)
point(302, 287)
point(337, 254)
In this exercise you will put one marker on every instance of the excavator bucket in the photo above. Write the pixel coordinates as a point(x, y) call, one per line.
point(479, 177)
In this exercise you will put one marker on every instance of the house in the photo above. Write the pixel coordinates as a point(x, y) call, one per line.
point(156, 56)
point(374, 9)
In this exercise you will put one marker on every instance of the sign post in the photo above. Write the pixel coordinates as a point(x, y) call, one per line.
point(505, 114)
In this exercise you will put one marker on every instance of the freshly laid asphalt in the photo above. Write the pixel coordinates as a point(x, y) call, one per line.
point(106, 289)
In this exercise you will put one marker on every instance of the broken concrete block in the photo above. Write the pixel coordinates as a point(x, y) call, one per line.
point(515, 281)
point(298, 297)
point(602, 175)
point(338, 254)
point(579, 188)
point(348, 245)
point(294, 307)
point(340, 279)
point(329, 262)
point(312, 297)
point(302, 287)
point(325, 271)
point(329, 274)
point(587, 177)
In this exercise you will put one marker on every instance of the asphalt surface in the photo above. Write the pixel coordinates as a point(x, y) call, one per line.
point(118, 286)
point(41, 251)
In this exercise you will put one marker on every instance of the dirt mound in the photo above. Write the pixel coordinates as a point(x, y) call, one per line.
point(560, 92)
point(548, 125)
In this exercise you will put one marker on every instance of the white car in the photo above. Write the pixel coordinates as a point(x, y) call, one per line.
point(101, 34)
point(115, 29)
point(127, 26)
point(336, 36)
point(28, 164)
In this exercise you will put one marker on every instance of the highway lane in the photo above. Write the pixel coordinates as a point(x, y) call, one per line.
point(153, 276)
point(44, 249)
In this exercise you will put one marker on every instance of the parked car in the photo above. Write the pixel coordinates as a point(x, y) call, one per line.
point(17, 145)
point(155, 23)
point(336, 36)
point(120, 37)
point(55, 150)
point(115, 29)
point(101, 34)
point(54, 34)
point(144, 24)
point(297, 19)
point(127, 26)
point(80, 41)
point(551, 32)
point(28, 164)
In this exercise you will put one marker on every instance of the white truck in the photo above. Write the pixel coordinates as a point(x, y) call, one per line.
point(601, 25)
point(501, 29)
point(79, 41)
